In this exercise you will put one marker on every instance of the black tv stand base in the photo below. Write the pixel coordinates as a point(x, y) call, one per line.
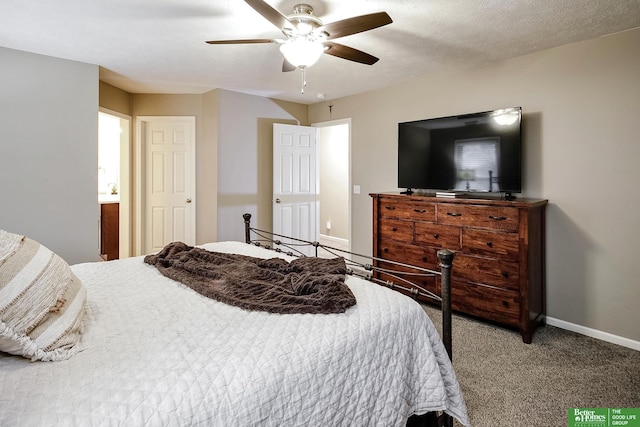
point(509, 196)
point(408, 192)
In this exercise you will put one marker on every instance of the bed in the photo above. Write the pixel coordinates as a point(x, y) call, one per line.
point(153, 352)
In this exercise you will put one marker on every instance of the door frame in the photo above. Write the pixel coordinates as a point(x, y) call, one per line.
point(330, 123)
point(139, 203)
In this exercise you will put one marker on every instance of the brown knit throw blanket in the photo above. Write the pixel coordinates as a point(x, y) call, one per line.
point(304, 285)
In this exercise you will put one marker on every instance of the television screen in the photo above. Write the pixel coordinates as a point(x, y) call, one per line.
point(478, 152)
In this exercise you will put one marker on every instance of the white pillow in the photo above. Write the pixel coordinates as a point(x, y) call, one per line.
point(42, 303)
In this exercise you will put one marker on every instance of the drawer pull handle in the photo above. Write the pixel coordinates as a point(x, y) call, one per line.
point(424, 259)
point(505, 303)
point(505, 274)
point(436, 235)
point(391, 208)
point(497, 218)
point(454, 214)
point(394, 229)
point(420, 210)
point(385, 250)
point(490, 244)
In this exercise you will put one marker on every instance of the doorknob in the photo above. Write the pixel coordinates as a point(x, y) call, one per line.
point(188, 200)
point(277, 200)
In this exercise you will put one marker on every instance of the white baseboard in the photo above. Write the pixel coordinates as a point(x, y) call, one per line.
point(594, 333)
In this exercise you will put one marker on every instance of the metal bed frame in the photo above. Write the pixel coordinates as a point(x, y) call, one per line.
point(405, 278)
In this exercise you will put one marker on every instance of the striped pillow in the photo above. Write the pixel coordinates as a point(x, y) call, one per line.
point(42, 303)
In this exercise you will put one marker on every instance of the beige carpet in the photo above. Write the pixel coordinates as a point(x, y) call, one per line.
point(508, 383)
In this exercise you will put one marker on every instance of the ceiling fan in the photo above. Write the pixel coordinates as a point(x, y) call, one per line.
point(307, 37)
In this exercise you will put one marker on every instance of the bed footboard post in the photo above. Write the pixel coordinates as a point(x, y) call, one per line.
point(247, 227)
point(446, 261)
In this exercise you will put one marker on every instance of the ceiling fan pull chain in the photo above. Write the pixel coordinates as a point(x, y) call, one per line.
point(304, 80)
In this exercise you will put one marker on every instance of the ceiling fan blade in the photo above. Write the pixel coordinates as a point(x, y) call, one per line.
point(244, 41)
point(346, 52)
point(357, 24)
point(269, 13)
point(287, 66)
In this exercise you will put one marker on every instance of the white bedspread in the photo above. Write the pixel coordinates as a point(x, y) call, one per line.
point(159, 354)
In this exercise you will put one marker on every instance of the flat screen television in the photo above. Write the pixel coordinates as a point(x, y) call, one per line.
point(479, 152)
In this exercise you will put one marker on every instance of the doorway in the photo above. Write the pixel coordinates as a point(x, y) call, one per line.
point(114, 182)
point(334, 159)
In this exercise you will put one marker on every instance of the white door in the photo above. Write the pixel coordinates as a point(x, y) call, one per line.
point(295, 183)
point(169, 182)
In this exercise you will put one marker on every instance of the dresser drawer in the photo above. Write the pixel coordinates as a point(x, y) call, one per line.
point(397, 230)
point(437, 235)
point(493, 217)
point(491, 243)
point(489, 271)
point(498, 305)
point(408, 254)
point(407, 210)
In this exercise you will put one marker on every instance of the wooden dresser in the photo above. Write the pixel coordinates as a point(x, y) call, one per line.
point(498, 272)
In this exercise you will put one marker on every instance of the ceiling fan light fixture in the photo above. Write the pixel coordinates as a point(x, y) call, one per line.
point(302, 52)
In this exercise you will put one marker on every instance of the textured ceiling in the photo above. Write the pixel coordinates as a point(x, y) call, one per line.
point(157, 46)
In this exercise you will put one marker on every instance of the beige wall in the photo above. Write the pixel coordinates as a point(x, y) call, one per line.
point(245, 158)
point(114, 99)
point(207, 170)
point(581, 106)
point(204, 109)
point(233, 151)
point(173, 105)
point(581, 103)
